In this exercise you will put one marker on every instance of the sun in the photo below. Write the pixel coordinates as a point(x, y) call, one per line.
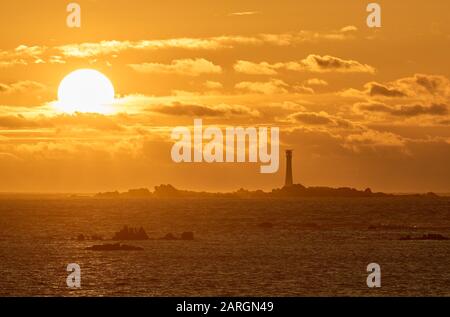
point(87, 91)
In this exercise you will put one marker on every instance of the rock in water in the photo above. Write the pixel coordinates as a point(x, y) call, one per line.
point(169, 236)
point(114, 247)
point(187, 236)
point(130, 234)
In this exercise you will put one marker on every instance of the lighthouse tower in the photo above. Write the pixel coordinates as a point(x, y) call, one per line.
point(289, 179)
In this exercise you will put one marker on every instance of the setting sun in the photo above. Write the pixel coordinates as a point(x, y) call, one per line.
point(87, 91)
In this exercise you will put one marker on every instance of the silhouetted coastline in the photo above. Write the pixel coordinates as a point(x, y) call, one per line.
point(294, 191)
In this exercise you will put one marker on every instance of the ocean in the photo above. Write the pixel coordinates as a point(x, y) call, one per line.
point(315, 246)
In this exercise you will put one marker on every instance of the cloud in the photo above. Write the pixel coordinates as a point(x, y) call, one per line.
point(8, 157)
point(293, 38)
point(405, 110)
point(302, 89)
point(417, 110)
point(208, 43)
point(327, 63)
point(17, 122)
point(12, 62)
point(375, 89)
point(188, 67)
point(244, 13)
point(178, 109)
point(431, 83)
point(213, 84)
point(25, 55)
point(89, 121)
point(62, 122)
point(56, 59)
point(372, 107)
point(21, 86)
point(431, 88)
point(83, 50)
point(194, 110)
point(419, 84)
point(250, 68)
point(312, 118)
point(372, 138)
point(22, 55)
point(312, 63)
point(349, 28)
point(274, 86)
point(321, 118)
point(316, 82)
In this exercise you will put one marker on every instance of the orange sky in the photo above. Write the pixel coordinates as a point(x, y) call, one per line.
point(361, 107)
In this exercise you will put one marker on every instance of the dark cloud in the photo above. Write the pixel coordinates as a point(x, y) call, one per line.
point(321, 118)
point(417, 110)
point(405, 110)
point(312, 118)
point(193, 110)
point(332, 63)
point(376, 89)
point(178, 109)
point(374, 107)
point(433, 88)
point(431, 83)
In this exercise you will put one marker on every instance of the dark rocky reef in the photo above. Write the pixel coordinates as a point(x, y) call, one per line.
point(130, 234)
point(132, 193)
point(266, 225)
point(114, 247)
point(429, 236)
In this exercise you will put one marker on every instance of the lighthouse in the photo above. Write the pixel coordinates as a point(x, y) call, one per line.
point(289, 179)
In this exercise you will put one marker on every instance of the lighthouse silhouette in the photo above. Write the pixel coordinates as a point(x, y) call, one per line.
point(289, 179)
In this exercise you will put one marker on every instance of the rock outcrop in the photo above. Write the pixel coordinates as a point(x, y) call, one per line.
point(130, 234)
point(114, 247)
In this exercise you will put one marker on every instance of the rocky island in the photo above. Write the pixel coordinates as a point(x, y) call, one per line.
point(292, 191)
